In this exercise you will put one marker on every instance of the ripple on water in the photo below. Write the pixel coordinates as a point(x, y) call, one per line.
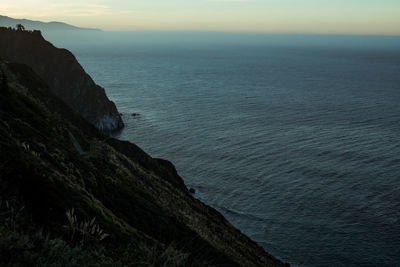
point(301, 155)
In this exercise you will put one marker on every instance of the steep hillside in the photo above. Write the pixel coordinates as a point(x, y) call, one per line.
point(57, 172)
point(64, 75)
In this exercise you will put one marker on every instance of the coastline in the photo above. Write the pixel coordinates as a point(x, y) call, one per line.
point(57, 163)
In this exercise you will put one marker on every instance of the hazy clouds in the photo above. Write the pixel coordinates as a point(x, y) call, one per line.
point(276, 16)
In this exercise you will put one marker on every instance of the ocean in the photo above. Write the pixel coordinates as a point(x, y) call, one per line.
point(295, 139)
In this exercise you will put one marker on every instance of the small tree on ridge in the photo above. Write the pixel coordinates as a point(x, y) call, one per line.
point(20, 27)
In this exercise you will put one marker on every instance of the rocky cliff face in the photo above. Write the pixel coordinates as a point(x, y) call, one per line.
point(53, 161)
point(64, 75)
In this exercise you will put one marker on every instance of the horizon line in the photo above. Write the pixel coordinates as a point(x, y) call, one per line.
point(249, 32)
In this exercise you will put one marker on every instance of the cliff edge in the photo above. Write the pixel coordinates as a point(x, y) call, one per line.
point(63, 74)
point(70, 196)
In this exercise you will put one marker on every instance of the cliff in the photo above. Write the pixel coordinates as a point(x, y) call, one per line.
point(64, 75)
point(70, 196)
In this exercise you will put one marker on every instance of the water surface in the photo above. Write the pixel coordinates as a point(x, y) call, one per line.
point(295, 139)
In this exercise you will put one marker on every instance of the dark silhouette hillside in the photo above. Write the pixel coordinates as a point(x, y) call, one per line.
point(64, 75)
point(112, 205)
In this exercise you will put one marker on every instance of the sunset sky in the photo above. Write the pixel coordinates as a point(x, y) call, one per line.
point(274, 16)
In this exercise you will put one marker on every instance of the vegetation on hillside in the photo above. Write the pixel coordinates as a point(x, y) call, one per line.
point(115, 205)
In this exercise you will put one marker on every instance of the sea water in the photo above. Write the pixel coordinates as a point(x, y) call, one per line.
point(294, 139)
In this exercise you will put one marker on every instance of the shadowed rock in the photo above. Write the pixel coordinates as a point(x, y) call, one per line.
point(65, 76)
point(134, 197)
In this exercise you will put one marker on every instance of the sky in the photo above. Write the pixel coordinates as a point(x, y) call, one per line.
point(270, 16)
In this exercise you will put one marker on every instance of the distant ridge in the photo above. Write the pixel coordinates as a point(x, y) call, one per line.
point(42, 26)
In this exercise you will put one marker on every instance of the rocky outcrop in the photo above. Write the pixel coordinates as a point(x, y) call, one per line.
point(64, 75)
point(53, 161)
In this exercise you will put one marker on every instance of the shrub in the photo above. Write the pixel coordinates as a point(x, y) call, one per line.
point(140, 254)
point(88, 231)
point(59, 253)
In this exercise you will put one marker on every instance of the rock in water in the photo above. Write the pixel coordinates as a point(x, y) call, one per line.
point(65, 76)
point(140, 202)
